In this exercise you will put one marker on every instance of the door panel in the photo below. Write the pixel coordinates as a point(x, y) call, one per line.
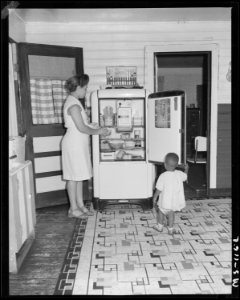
point(48, 143)
point(166, 125)
point(224, 145)
point(47, 164)
point(43, 70)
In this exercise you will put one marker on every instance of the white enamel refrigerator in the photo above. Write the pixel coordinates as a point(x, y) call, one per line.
point(143, 128)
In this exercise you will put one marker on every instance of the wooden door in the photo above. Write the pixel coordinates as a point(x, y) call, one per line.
point(41, 64)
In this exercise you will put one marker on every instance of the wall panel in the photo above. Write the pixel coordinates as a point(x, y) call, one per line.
point(106, 44)
point(224, 159)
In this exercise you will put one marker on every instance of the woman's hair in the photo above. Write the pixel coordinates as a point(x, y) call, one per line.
point(172, 156)
point(73, 82)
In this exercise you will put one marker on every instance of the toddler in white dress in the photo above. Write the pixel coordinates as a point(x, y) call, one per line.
point(169, 195)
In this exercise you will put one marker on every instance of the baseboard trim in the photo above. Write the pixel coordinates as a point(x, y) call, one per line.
point(220, 192)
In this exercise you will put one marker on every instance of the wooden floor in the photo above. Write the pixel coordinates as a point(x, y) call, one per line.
point(40, 270)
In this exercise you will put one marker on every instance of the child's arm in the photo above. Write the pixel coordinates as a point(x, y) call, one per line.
point(155, 196)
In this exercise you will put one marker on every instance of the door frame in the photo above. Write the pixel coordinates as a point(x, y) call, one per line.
point(149, 65)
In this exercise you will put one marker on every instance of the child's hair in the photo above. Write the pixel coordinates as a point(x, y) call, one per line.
point(73, 82)
point(172, 156)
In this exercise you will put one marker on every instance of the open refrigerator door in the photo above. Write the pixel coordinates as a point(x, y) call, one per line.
point(166, 125)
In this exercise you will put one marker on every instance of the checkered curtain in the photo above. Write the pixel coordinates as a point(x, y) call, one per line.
point(59, 96)
point(47, 98)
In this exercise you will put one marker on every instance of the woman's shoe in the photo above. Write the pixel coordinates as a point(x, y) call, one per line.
point(76, 214)
point(86, 211)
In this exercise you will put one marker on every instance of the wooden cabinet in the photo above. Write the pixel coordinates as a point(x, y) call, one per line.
point(22, 215)
point(192, 128)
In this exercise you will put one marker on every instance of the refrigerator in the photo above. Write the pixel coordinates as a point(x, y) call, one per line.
point(143, 127)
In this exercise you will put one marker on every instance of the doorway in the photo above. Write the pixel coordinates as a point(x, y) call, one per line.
point(190, 72)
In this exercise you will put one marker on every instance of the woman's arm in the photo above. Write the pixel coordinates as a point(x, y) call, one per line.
point(75, 112)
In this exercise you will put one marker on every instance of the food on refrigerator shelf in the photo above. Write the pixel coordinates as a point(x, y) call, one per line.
point(129, 144)
point(125, 136)
point(120, 154)
point(137, 121)
point(104, 145)
point(137, 134)
point(127, 156)
point(138, 144)
point(108, 116)
point(116, 144)
point(101, 120)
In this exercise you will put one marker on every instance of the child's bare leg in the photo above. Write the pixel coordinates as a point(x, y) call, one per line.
point(160, 220)
point(157, 214)
point(171, 218)
point(161, 217)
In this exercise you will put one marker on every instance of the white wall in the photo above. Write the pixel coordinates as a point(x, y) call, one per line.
point(17, 33)
point(185, 79)
point(16, 27)
point(109, 44)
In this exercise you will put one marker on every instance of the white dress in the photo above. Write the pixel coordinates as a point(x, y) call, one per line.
point(172, 193)
point(76, 161)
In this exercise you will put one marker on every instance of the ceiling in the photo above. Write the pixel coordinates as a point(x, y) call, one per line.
point(125, 15)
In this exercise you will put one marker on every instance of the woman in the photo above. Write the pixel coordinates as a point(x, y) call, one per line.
point(76, 162)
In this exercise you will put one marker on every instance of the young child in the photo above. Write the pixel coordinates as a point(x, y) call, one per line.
point(169, 189)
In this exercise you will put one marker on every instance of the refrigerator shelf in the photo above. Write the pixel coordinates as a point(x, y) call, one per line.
point(129, 149)
point(121, 160)
point(114, 126)
point(120, 139)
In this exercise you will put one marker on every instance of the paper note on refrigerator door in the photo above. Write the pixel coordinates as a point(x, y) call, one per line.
point(162, 113)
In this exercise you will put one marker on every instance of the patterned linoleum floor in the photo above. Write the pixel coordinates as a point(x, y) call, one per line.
point(117, 252)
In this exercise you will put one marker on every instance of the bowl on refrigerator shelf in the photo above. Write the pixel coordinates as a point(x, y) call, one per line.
point(116, 144)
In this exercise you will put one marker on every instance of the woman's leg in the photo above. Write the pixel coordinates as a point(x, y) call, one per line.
point(79, 196)
point(80, 202)
point(72, 194)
